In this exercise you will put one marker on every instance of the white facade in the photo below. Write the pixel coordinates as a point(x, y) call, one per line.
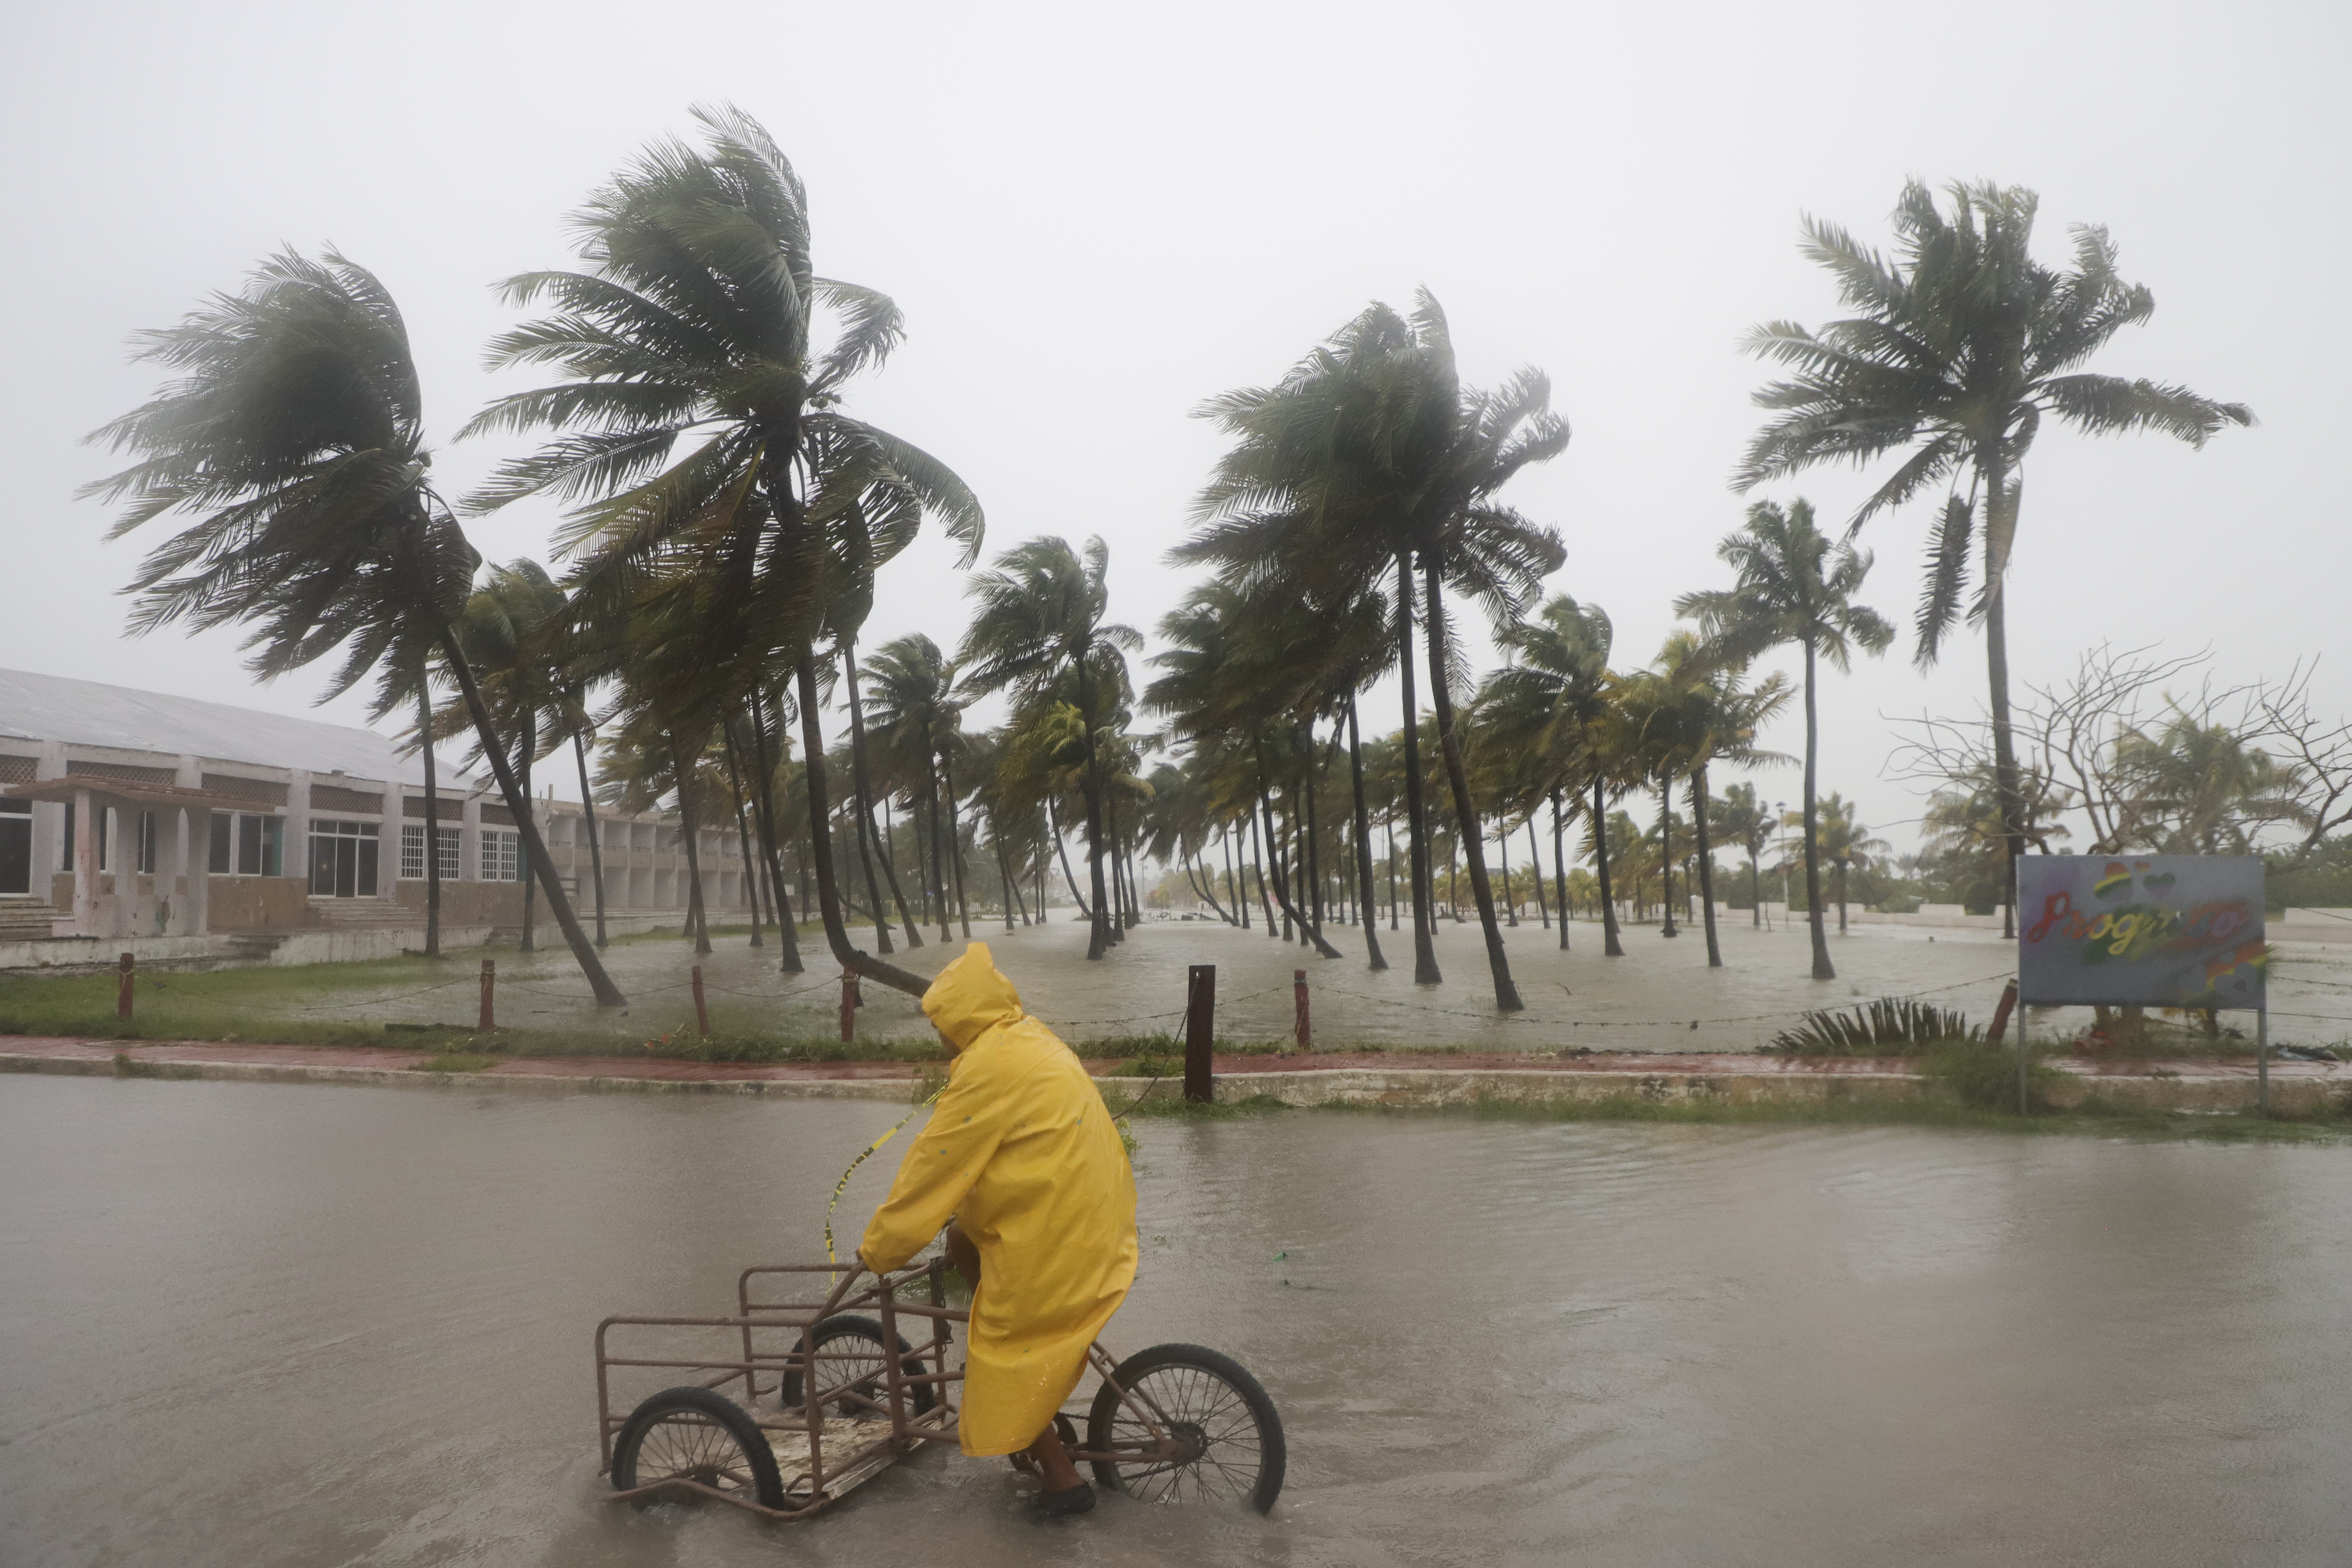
point(131, 814)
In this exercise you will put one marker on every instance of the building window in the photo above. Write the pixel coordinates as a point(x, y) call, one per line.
point(15, 846)
point(342, 859)
point(412, 853)
point(502, 855)
point(247, 844)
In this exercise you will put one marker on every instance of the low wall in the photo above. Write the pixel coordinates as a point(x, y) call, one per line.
point(469, 904)
point(256, 903)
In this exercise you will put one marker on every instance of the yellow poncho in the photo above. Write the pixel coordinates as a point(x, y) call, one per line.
point(1020, 1151)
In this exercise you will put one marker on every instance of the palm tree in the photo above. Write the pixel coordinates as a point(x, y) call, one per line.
point(1550, 704)
point(1957, 352)
point(2199, 788)
point(294, 444)
point(1038, 625)
point(1371, 455)
point(918, 718)
point(1745, 822)
point(694, 324)
point(1846, 843)
point(511, 631)
point(1792, 585)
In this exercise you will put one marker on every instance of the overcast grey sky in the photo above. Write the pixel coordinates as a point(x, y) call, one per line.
point(1096, 217)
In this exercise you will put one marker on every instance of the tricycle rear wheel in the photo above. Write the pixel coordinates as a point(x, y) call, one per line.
point(699, 1436)
point(1231, 1433)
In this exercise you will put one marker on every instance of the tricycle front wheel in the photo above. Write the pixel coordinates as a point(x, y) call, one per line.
point(698, 1435)
point(1228, 1435)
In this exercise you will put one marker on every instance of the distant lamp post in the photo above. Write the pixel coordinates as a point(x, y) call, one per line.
point(1780, 810)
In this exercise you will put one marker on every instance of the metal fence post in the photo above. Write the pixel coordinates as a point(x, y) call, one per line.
point(489, 1018)
point(701, 1008)
point(1298, 995)
point(1200, 1032)
point(2021, 1055)
point(125, 987)
point(848, 1008)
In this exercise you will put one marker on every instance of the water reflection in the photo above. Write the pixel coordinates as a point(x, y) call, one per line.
point(259, 1324)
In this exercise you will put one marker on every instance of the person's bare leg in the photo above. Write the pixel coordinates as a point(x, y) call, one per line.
point(962, 1254)
point(1054, 1465)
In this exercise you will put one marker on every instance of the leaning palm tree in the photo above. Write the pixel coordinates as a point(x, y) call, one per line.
point(1957, 350)
point(1038, 626)
point(1793, 587)
point(1371, 456)
point(694, 324)
point(1551, 703)
point(293, 444)
point(508, 631)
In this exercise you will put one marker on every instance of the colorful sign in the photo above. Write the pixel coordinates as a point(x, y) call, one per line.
point(2160, 930)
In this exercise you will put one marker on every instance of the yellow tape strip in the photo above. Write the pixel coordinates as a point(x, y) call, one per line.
point(842, 1185)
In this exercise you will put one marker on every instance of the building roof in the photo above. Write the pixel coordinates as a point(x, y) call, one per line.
point(90, 714)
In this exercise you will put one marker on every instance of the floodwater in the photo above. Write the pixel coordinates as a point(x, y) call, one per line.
point(246, 1324)
point(1648, 1000)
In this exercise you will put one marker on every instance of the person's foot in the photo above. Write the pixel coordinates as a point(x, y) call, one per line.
point(1062, 1504)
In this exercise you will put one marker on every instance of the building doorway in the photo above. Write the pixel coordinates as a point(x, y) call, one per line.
point(342, 859)
point(15, 847)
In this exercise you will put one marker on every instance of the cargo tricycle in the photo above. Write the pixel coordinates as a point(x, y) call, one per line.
point(827, 1373)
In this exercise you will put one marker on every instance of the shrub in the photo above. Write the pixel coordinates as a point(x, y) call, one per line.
point(1869, 1030)
point(1986, 1076)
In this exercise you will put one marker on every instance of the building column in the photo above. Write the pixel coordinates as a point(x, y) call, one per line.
point(198, 865)
point(123, 854)
point(85, 867)
point(297, 860)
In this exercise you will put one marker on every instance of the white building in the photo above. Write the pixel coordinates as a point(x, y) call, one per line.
point(132, 815)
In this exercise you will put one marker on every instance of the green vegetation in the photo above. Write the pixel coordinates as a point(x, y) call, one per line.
point(1888, 1026)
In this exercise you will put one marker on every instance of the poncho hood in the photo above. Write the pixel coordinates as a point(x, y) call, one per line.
point(970, 998)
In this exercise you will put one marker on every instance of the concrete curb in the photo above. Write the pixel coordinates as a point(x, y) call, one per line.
point(1402, 1087)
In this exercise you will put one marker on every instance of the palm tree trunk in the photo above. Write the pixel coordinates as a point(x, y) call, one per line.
point(1265, 897)
point(743, 830)
point(955, 846)
point(1559, 869)
point(432, 823)
point(1062, 847)
point(1822, 968)
point(1705, 866)
point(607, 993)
point(2001, 529)
point(697, 919)
point(1506, 993)
point(1840, 895)
point(595, 839)
point(1391, 866)
point(828, 899)
point(1117, 871)
point(1237, 879)
point(1754, 891)
point(1098, 938)
point(938, 875)
point(1666, 854)
point(1365, 899)
point(530, 902)
point(1503, 858)
point(1535, 870)
point(1611, 946)
point(861, 817)
point(1424, 949)
point(1004, 870)
point(1281, 891)
point(763, 805)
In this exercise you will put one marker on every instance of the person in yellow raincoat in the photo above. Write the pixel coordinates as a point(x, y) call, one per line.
point(1022, 1153)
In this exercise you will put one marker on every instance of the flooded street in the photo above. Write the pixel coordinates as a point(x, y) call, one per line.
point(1647, 1001)
point(261, 1325)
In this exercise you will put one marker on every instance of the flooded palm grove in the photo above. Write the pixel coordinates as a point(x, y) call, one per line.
point(247, 1323)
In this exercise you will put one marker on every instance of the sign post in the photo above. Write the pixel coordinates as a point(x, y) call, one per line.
point(2157, 931)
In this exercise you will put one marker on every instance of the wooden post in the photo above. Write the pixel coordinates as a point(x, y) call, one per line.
point(1298, 992)
point(1999, 1030)
point(1200, 1032)
point(125, 986)
point(2261, 1056)
point(489, 1018)
point(848, 1008)
point(701, 1008)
